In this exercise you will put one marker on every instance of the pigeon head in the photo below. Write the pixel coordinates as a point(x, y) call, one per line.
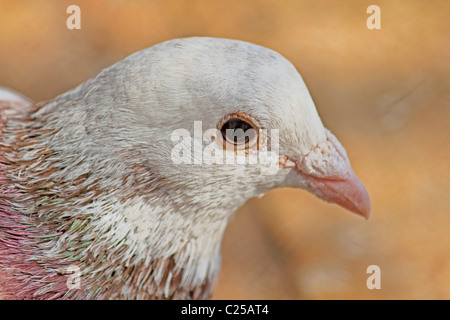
point(162, 104)
point(151, 159)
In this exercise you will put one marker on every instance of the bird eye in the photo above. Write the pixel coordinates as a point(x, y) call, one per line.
point(238, 132)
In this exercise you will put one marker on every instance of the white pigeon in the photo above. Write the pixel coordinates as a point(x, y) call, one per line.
point(100, 197)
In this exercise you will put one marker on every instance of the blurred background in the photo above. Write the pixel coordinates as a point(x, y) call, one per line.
point(384, 93)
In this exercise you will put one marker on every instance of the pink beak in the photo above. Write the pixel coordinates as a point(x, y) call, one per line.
point(328, 175)
point(348, 192)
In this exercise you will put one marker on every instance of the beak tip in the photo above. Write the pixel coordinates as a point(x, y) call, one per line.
point(363, 205)
point(364, 212)
point(359, 199)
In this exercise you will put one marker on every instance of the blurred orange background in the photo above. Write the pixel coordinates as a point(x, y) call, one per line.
point(384, 93)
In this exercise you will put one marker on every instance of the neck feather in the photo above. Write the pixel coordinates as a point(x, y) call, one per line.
point(59, 220)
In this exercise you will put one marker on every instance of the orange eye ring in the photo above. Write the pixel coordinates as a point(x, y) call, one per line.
point(239, 132)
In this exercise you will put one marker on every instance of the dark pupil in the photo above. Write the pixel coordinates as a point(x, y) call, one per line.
point(235, 131)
